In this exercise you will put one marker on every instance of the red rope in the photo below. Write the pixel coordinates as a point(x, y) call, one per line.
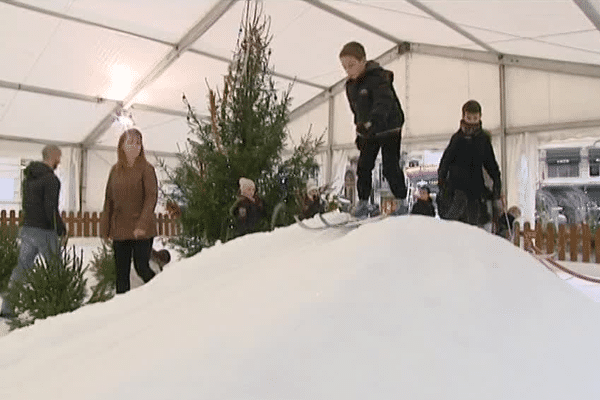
point(549, 258)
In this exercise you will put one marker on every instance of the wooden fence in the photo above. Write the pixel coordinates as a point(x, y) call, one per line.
point(88, 225)
point(569, 242)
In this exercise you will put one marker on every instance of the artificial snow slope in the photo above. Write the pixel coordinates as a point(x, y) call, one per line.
point(409, 307)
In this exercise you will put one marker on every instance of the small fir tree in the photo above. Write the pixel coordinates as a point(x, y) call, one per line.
point(245, 137)
point(104, 270)
point(9, 255)
point(53, 286)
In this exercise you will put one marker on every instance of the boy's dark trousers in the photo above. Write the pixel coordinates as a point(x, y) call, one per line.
point(463, 208)
point(141, 250)
point(390, 154)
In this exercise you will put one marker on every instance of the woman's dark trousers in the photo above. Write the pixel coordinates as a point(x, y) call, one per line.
point(124, 250)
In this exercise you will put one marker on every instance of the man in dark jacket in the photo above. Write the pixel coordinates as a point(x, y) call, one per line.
point(460, 174)
point(378, 117)
point(42, 224)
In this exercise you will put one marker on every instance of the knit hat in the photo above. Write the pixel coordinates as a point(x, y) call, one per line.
point(246, 185)
point(311, 185)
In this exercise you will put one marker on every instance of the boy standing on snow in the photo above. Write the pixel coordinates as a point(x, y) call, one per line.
point(378, 117)
point(460, 174)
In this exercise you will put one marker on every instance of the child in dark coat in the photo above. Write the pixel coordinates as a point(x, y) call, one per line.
point(311, 201)
point(248, 208)
point(460, 175)
point(378, 117)
point(424, 204)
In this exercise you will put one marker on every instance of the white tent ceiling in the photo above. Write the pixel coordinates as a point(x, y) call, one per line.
point(70, 65)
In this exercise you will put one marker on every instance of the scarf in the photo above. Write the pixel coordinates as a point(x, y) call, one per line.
point(469, 129)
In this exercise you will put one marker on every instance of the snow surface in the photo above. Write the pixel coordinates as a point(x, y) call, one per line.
point(410, 307)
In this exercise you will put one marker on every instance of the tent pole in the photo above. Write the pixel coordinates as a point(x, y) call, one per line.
point(503, 155)
point(330, 131)
point(83, 178)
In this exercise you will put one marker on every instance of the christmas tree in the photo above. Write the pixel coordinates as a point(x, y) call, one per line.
point(53, 286)
point(245, 137)
point(9, 255)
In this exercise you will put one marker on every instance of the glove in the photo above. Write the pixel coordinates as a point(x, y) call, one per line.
point(364, 129)
point(496, 191)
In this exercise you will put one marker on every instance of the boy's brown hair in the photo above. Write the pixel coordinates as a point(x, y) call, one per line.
point(354, 49)
point(471, 107)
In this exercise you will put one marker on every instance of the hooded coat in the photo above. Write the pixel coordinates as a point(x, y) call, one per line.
point(461, 165)
point(372, 99)
point(41, 189)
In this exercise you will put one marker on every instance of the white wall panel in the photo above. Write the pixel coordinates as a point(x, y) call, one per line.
point(527, 98)
point(344, 130)
point(138, 16)
point(99, 165)
point(22, 44)
point(191, 75)
point(32, 115)
point(536, 97)
point(315, 121)
point(96, 62)
point(574, 98)
point(438, 87)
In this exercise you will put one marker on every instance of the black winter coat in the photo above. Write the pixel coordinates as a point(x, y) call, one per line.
point(462, 162)
point(422, 207)
point(247, 213)
point(41, 188)
point(373, 99)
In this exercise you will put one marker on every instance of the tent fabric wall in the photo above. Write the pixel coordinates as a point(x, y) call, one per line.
point(537, 97)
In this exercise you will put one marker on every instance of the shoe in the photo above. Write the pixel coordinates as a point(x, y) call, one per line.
point(401, 209)
point(361, 210)
point(366, 210)
point(374, 210)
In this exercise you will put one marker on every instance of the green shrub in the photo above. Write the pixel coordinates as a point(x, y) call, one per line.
point(9, 255)
point(53, 286)
point(103, 268)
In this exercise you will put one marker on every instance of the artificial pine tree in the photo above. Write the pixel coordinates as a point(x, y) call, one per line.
point(104, 270)
point(53, 286)
point(245, 137)
point(9, 255)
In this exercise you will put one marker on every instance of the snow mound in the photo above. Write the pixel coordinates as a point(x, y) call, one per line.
point(409, 307)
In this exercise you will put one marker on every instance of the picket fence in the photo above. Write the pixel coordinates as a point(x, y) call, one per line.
point(569, 242)
point(88, 224)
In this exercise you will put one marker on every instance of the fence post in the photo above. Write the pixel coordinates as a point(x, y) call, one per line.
point(160, 222)
point(574, 245)
point(562, 242)
point(86, 224)
point(586, 239)
point(13, 220)
point(539, 235)
point(95, 219)
point(516, 234)
point(527, 236)
point(550, 238)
